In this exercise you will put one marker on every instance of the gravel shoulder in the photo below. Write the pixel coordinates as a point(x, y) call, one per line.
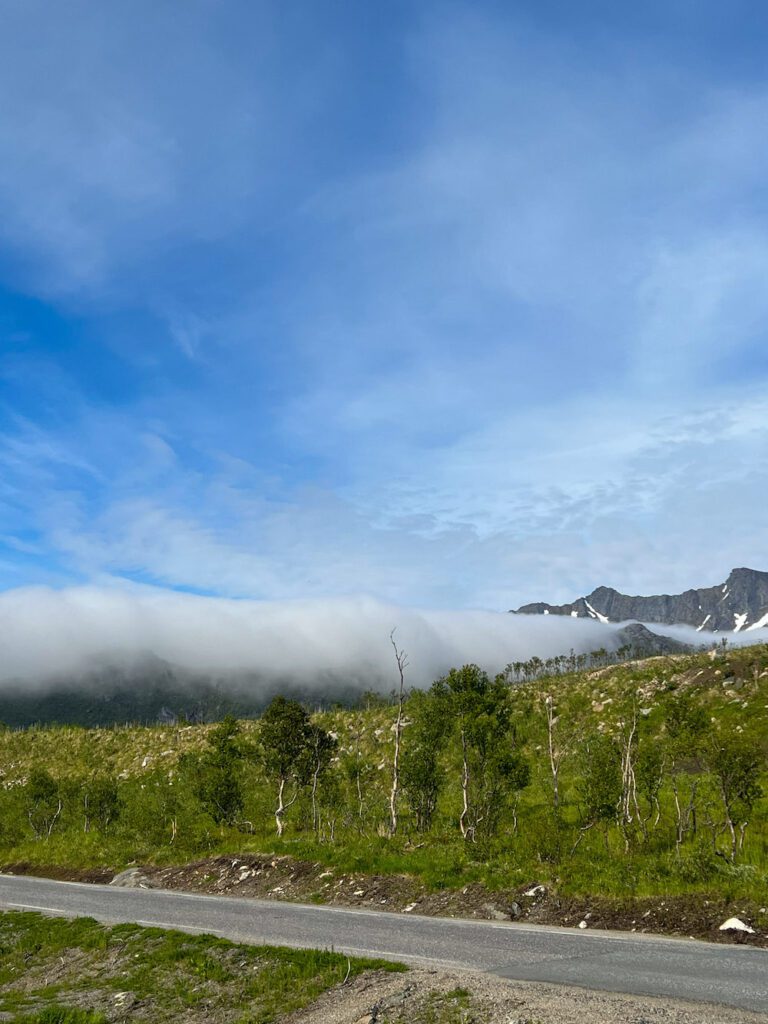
point(464, 997)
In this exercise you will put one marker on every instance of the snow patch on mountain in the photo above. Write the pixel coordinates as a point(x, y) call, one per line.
point(762, 621)
point(595, 614)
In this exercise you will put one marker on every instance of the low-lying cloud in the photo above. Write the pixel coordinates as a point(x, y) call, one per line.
point(47, 633)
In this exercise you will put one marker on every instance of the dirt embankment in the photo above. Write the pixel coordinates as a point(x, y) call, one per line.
point(285, 878)
point(99, 876)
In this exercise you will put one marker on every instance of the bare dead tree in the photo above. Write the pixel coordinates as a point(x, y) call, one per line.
point(283, 805)
point(358, 772)
point(48, 825)
point(466, 830)
point(629, 807)
point(555, 750)
point(685, 817)
point(401, 658)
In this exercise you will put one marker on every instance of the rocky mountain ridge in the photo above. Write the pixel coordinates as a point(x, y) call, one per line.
point(739, 604)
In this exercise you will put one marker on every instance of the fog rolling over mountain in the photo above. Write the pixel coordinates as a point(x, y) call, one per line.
point(110, 654)
point(47, 635)
point(145, 688)
point(739, 605)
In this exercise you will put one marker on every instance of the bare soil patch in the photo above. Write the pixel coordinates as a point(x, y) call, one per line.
point(100, 875)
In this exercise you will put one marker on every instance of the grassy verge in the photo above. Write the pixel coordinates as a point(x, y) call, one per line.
point(56, 971)
point(439, 861)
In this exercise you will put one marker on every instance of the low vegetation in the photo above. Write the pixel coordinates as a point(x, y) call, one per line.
point(635, 779)
point(55, 971)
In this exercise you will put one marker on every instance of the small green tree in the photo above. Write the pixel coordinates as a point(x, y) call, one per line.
point(284, 742)
point(44, 802)
point(216, 774)
point(649, 771)
point(156, 810)
point(600, 784)
point(736, 766)
point(318, 754)
point(686, 725)
point(421, 772)
point(491, 769)
point(356, 769)
point(100, 802)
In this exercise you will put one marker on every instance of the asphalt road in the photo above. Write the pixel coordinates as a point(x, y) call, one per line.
point(615, 962)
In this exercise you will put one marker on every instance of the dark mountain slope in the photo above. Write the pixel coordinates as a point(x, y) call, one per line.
point(645, 644)
point(147, 689)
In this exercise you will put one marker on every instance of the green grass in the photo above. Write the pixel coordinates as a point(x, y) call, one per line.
point(53, 969)
point(61, 1015)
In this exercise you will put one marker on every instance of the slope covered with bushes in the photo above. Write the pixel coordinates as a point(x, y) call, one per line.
point(633, 779)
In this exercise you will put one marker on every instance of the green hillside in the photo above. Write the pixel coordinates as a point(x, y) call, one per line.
point(660, 771)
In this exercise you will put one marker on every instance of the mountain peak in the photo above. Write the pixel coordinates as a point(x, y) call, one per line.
point(741, 603)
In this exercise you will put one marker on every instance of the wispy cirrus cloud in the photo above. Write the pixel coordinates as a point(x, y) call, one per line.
point(485, 329)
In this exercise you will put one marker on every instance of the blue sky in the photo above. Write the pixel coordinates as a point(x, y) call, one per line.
point(451, 305)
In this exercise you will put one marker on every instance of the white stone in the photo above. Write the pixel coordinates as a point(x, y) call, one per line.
point(733, 924)
point(582, 924)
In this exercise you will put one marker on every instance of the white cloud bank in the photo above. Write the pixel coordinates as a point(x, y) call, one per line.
point(46, 633)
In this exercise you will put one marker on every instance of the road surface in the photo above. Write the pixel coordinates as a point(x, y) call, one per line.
point(615, 962)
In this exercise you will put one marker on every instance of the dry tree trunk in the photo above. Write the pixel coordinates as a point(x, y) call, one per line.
point(685, 819)
point(402, 663)
point(54, 818)
point(282, 807)
point(630, 808)
point(315, 815)
point(359, 797)
point(554, 755)
point(465, 829)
